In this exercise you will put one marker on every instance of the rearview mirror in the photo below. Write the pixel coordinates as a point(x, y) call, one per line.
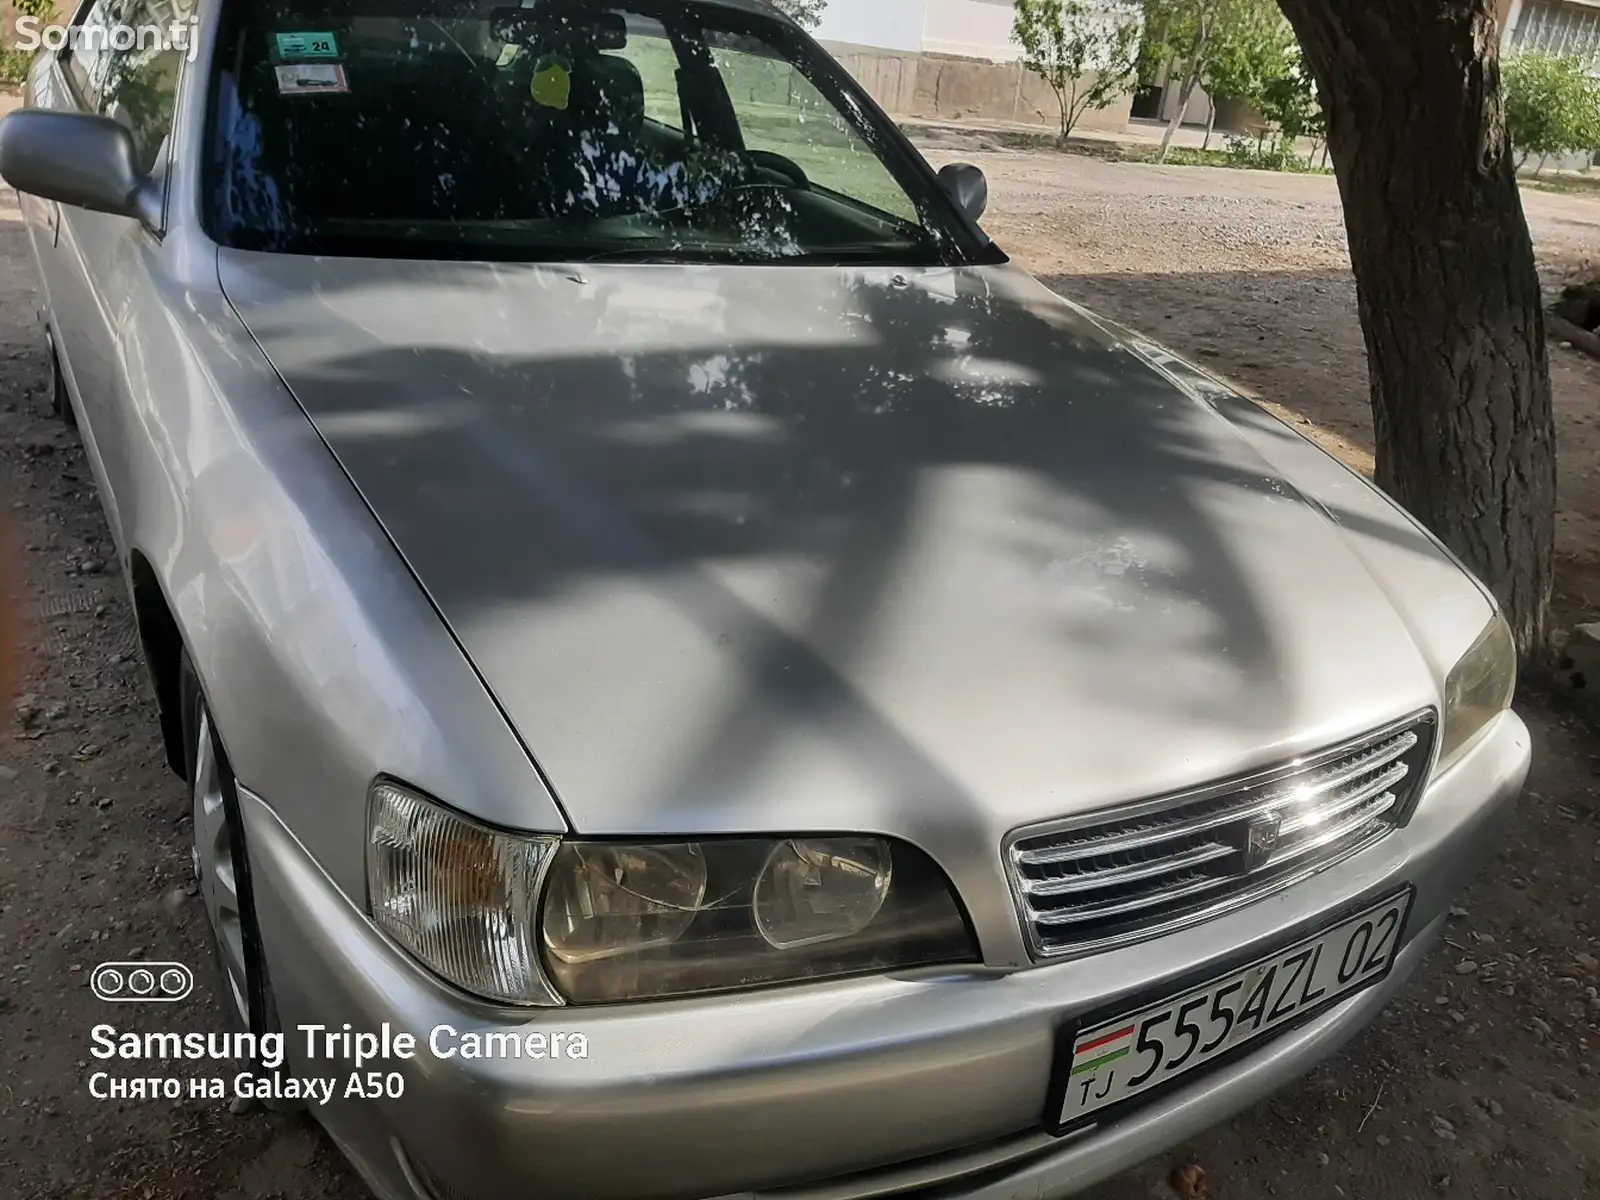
point(967, 186)
point(73, 158)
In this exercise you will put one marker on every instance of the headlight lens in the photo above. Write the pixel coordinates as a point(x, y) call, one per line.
point(815, 890)
point(618, 899)
point(1478, 689)
point(637, 922)
point(461, 897)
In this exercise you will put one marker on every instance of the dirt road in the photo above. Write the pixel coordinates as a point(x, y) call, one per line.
point(1479, 1081)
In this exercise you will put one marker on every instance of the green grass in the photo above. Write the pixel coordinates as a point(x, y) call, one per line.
point(1572, 184)
point(14, 67)
point(1109, 151)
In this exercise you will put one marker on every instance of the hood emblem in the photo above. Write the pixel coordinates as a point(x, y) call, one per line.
point(1261, 839)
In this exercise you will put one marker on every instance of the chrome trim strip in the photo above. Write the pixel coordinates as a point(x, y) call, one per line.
point(1381, 756)
point(1116, 908)
point(1328, 836)
point(1310, 820)
point(1226, 905)
point(1134, 839)
point(1129, 873)
point(1406, 733)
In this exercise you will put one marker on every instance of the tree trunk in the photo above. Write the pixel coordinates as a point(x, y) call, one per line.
point(1191, 74)
point(1211, 123)
point(1445, 280)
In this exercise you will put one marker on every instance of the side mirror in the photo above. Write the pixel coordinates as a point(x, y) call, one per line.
point(73, 158)
point(967, 187)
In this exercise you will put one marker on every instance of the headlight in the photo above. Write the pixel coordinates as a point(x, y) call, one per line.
point(628, 922)
point(461, 897)
point(619, 899)
point(528, 919)
point(1478, 689)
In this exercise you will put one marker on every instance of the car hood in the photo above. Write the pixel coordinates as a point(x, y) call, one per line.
point(928, 553)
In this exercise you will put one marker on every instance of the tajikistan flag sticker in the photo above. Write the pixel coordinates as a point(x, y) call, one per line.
point(1097, 1049)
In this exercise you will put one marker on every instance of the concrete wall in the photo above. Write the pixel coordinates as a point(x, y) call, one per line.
point(889, 77)
point(950, 88)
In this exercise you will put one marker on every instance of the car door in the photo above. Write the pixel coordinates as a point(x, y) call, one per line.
point(102, 263)
point(64, 297)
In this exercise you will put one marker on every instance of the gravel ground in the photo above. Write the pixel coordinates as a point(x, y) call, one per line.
point(1478, 1081)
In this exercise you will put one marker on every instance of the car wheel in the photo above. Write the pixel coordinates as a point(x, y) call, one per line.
point(222, 871)
point(60, 402)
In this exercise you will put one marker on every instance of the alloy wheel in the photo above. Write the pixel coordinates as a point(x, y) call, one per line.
point(215, 868)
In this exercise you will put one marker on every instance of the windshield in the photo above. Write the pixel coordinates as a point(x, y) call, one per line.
point(563, 130)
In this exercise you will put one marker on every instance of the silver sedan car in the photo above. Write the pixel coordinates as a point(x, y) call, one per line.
point(697, 677)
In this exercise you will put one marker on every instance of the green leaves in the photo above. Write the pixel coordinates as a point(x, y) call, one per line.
point(1248, 53)
point(1086, 52)
point(1552, 105)
point(807, 12)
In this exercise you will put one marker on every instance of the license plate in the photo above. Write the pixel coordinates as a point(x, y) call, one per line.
point(1149, 1048)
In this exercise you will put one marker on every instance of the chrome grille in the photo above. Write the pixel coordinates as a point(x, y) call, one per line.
point(1104, 881)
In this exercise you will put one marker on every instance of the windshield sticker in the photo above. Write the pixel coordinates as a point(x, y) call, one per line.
point(293, 47)
point(552, 84)
point(311, 79)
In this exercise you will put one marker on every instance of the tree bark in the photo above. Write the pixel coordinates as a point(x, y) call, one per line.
point(1211, 123)
point(1191, 75)
point(1445, 281)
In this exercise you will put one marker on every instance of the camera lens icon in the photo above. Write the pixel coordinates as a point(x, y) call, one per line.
point(136, 982)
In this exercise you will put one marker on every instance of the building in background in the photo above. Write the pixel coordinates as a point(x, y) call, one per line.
point(967, 28)
point(1566, 28)
point(946, 60)
point(955, 60)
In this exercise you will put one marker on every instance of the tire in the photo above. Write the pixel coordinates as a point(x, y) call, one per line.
point(60, 401)
point(222, 870)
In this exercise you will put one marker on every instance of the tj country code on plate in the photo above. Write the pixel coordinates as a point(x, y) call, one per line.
point(1145, 1049)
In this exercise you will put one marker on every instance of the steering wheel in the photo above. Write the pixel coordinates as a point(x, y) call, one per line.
point(769, 160)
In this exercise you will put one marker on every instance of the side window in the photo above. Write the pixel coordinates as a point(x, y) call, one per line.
point(89, 53)
point(125, 64)
point(657, 62)
point(781, 111)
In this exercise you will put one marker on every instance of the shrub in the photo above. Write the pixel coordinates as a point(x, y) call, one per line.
point(14, 67)
point(1552, 106)
point(1278, 154)
point(1065, 42)
point(806, 12)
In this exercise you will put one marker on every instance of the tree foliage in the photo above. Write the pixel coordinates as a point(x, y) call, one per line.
point(1254, 57)
point(1247, 54)
point(806, 12)
point(1194, 35)
point(1552, 105)
point(1288, 98)
point(14, 64)
point(1087, 54)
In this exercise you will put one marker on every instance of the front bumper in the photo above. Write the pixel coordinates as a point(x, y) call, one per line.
point(841, 1090)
